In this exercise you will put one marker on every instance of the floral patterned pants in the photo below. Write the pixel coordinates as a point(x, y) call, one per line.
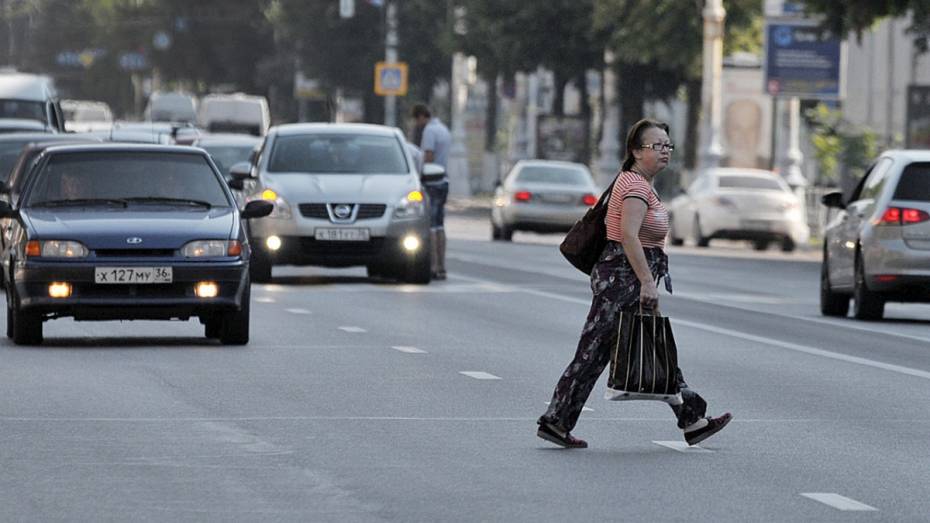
point(616, 288)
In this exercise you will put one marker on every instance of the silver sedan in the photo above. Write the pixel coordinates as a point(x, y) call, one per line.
point(541, 196)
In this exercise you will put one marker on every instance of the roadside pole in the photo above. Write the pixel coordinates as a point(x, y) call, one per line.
point(390, 56)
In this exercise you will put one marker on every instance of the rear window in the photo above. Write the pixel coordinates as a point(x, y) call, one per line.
point(225, 156)
point(555, 175)
point(749, 182)
point(914, 183)
point(121, 175)
point(338, 153)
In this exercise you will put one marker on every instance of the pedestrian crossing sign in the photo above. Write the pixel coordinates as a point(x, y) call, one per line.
point(391, 79)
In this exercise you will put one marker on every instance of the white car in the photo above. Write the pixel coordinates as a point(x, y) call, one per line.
point(738, 204)
point(542, 196)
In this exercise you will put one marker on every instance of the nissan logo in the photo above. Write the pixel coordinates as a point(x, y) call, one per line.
point(342, 211)
point(133, 240)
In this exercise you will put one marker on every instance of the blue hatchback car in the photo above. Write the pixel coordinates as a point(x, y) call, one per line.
point(127, 232)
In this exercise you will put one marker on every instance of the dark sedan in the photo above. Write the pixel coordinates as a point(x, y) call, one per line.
point(127, 232)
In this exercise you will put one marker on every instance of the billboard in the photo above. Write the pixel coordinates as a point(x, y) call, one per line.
point(801, 62)
point(918, 117)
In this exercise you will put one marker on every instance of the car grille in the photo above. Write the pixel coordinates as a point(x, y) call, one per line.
point(134, 253)
point(323, 248)
point(366, 211)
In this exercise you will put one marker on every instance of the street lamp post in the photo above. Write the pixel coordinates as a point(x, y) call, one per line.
point(609, 161)
point(390, 56)
point(712, 150)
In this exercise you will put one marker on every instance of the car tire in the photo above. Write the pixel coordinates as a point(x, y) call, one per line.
point(506, 233)
point(867, 305)
point(374, 270)
point(417, 271)
point(671, 233)
point(212, 327)
point(788, 245)
point(234, 325)
point(495, 232)
point(831, 303)
point(259, 267)
point(760, 245)
point(27, 326)
point(699, 238)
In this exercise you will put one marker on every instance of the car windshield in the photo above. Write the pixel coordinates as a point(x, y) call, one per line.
point(225, 156)
point(914, 183)
point(749, 182)
point(9, 153)
point(338, 153)
point(554, 175)
point(145, 178)
point(22, 109)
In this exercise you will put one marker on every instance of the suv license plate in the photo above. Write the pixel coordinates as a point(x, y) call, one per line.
point(132, 275)
point(341, 235)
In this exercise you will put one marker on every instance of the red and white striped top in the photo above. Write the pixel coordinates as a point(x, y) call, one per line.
point(655, 225)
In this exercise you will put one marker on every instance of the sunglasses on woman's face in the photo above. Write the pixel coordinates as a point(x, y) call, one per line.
point(658, 146)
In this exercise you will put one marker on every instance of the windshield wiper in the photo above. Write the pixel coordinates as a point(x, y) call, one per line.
point(78, 202)
point(169, 201)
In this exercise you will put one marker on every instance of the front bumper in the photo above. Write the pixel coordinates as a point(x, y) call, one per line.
point(92, 301)
point(762, 226)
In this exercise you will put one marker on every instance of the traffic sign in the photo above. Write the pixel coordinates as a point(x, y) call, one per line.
point(391, 79)
point(802, 62)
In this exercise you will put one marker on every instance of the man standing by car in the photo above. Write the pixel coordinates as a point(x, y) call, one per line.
point(435, 144)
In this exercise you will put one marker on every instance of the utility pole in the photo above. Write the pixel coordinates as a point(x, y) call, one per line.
point(712, 150)
point(390, 56)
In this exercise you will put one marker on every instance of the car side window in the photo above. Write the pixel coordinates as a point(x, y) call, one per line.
point(875, 180)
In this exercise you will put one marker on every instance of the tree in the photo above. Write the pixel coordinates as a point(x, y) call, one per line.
point(856, 16)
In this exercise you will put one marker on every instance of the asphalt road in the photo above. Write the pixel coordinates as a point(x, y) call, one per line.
point(362, 400)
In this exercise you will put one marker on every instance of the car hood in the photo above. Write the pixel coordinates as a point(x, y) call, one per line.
point(341, 188)
point(109, 229)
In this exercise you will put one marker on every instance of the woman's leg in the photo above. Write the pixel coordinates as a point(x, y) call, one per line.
point(694, 407)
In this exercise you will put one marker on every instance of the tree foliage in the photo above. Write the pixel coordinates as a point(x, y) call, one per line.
point(857, 16)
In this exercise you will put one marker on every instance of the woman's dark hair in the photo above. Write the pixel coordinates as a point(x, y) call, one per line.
point(634, 139)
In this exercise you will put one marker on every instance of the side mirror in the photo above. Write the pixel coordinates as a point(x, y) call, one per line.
point(6, 211)
point(257, 209)
point(833, 200)
point(433, 172)
point(236, 184)
point(241, 171)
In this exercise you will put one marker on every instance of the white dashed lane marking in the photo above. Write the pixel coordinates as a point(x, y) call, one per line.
point(298, 311)
point(408, 350)
point(478, 375)
point(837, 501)
point(681, 446)
point(264, 300)
point(350, 328)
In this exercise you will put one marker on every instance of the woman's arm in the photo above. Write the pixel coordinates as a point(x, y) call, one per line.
point(634, 212)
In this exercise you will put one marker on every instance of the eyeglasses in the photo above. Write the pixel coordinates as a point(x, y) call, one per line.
point(659, 146)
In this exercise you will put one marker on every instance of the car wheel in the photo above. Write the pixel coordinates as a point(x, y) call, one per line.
point(27, 326)
point(506, 233)
point(234, 325)
point(699, 238)
point(760, 245)
point(831, 303)
point(671, 233)
point(417, 271)
point(495, 232)
point(259, 267)
point(867, 305)
point(787, 245)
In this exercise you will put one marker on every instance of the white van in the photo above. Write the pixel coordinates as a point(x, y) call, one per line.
point(171, 107)
point(32, 98)
point(86, 115)
point(235, 113)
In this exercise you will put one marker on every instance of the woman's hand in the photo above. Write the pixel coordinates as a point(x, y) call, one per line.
point(648, 295)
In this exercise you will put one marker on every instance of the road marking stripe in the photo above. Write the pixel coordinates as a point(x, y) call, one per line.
point(408, 350)
point(681, 446)
point(837, 501)
point(478, 375)
point(264, 300)
point(761, 339)
point(352, 329)
point(298, 311)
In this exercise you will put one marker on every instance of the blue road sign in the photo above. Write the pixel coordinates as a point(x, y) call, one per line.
point(801, 62)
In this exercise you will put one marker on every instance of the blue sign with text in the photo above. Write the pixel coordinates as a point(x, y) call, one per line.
point(802, 62)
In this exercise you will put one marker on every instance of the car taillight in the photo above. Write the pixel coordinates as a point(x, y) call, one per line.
point(902, 216)
point(589, 200)
point(522, 196)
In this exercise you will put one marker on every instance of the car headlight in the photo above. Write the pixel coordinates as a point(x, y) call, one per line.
point(282, 210)
point(411, 205)
point(211, 248)
point(56, 249)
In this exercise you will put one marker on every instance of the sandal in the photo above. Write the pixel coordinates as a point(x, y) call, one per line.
point(566, 440)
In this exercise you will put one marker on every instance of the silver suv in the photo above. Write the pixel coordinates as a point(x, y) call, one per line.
point(877, 246)
point(344, 195)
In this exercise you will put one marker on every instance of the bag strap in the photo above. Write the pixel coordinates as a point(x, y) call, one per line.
point(605, 197)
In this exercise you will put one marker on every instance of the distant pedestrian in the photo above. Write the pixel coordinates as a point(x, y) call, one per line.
point(435, 144)
point(626, 278)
